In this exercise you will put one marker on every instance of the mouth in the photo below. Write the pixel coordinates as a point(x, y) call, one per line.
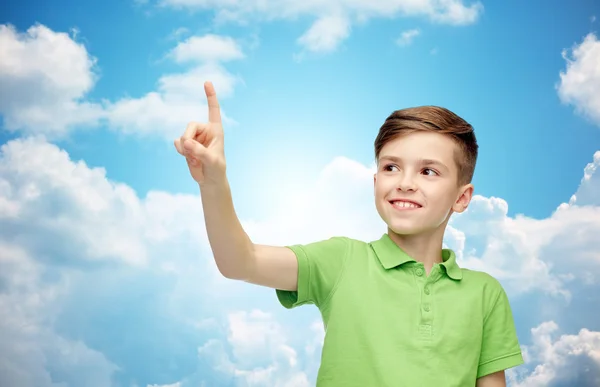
point(404, 204)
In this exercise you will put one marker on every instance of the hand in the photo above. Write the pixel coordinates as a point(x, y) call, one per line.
point(202, 143)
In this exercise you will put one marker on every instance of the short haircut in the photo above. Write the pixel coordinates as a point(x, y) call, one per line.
point(433, 119)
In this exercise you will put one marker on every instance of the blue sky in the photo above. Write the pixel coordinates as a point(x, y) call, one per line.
point(105, 271)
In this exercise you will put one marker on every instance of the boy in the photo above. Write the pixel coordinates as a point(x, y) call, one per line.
point(398, 311)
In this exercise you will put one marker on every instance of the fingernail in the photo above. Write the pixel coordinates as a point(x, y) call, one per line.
point(187, 144)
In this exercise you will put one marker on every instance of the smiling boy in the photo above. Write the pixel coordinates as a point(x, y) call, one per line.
point(398, 311)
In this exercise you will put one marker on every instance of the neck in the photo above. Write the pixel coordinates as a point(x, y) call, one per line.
point(425, 247)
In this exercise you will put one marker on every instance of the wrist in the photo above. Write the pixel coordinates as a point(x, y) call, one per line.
point(212, 184)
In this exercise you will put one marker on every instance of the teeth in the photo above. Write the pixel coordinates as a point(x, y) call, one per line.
point(402, 204)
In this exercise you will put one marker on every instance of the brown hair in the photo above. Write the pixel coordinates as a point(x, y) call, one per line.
point(433, 119)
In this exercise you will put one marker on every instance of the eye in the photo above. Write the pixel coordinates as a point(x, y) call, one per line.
point(430, 172)
point(389, 167)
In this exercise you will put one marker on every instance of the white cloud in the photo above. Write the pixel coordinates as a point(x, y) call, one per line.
point(588, 192)
point(75, 249)
point(318, 339)
point(567, 360)
point(45, 76)
point(180, 97)
point(207, 48)
point(261, 355)
point(326, 33)
point(179, 33)
point(333, 18)
point(528, 254)
point(407, 37)
point(54, 197)
point(31, 353)
point(102, 219)
point(580, 82)
point(455, 12)
point(250, 333)
point(320, 211)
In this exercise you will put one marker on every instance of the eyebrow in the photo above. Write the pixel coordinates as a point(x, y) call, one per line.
point(424, 162)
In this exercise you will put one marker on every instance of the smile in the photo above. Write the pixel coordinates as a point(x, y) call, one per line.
point(404, 205)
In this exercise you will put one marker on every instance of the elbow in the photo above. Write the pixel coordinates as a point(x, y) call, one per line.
point(232, 273)
point(228, 273)
point(237, 269)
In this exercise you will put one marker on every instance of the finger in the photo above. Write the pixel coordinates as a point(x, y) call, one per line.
point(190, 134)
point(194, 149)
point(214, 111)
point(178, 146)
point(191, 130)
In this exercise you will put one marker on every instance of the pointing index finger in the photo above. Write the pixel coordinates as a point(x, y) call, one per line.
point(214, 111)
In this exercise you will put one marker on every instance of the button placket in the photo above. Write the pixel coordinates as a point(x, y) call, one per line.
point(427, 305)
point(425, 328)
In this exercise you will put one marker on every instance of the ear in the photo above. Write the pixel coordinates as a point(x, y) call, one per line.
point(374, 182)
point(464, 198)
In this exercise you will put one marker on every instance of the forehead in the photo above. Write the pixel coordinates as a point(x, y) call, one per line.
point(421, 145)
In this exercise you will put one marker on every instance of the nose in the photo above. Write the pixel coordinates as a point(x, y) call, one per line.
point(406, 182)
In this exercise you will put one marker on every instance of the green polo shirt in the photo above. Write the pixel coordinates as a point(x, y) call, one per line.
point(388, 323)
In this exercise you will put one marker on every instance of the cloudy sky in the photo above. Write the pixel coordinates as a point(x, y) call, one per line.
point(106, 277)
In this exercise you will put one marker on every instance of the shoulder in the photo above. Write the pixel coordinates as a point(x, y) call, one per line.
point(484, 283)
point(480, 277)
point(335, 248)
point(332, 244)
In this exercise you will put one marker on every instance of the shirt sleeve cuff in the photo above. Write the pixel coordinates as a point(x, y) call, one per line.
point(291, 299)
point(500, 364)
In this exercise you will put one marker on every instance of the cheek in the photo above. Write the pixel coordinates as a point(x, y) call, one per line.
point(380, 189)
point(443, 200)
point(380, 193)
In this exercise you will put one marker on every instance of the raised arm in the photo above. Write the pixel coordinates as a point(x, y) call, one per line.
point(236, 256)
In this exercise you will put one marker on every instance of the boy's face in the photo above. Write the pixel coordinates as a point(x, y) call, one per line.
point(416, 184)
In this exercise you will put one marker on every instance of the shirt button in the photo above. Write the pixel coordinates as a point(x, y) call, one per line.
point(427, 290)
point(419, 272)
point(426, 308)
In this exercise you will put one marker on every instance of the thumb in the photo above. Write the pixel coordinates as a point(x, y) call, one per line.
point(195, 149)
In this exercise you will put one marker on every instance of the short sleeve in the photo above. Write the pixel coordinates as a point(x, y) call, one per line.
point(500, 348)
point(320, 265)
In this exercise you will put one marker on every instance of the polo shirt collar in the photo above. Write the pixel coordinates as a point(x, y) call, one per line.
point(391, 255)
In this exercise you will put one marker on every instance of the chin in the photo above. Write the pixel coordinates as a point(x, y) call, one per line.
point(405, 231)
point(405, 228)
